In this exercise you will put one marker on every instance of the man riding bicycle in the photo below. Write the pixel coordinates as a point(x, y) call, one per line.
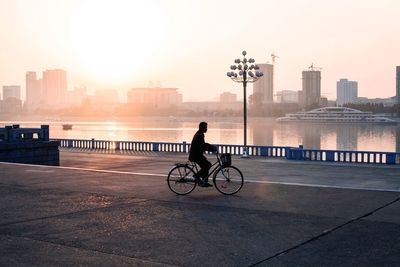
point(197, 148)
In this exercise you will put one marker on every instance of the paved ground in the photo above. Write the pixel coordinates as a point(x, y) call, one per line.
point(116, 210)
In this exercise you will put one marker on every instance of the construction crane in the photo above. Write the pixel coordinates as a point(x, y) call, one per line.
point(312, 67)
point(273, 56)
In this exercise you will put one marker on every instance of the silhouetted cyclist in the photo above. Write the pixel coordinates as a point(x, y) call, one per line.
point(196, 154)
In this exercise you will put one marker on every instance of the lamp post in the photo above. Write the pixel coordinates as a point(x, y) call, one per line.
point(244, 71)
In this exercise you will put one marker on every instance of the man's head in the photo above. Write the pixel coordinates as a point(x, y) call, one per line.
point(203, 126)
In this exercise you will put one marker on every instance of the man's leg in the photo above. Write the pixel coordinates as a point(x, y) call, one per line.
point(205, 166)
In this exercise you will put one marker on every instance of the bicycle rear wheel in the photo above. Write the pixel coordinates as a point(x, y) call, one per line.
point(180, 180)
point(228, 180)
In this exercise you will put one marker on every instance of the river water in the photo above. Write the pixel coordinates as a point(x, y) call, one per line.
point(260, 131)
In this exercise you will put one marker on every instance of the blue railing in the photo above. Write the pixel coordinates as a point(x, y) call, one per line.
point(291, 153)
point(343, 156)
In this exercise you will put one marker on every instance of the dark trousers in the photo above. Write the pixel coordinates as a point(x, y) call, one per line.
point(205, 166)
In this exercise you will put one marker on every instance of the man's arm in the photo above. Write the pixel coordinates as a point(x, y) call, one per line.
point(209, 147)
point(203, 145)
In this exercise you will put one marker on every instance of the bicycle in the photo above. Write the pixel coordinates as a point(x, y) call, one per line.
point(227, 179)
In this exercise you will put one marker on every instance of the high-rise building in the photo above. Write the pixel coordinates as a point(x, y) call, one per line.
point(33, 90)
point(227, 97)
point(311, 88)
point(76, 96)
point(346, 92)
point(156, 97)
point(11, 102)
point(264, 87)
point(11, 91)
point(54, 87)
point(398, 84)
point(105, 97)
point(287, 96)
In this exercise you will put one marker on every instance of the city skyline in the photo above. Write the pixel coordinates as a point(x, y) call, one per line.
point(35, 86)
point(190, 45)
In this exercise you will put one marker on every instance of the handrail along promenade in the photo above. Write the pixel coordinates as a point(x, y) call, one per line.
point(290, 153)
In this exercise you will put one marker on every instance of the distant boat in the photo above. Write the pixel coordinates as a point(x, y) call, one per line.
point(67, 126)
point(336, 115)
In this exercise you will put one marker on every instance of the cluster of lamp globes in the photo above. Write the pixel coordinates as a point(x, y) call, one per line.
point(243, 68)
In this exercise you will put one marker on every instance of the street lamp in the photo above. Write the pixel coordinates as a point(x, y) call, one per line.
point(244, 71)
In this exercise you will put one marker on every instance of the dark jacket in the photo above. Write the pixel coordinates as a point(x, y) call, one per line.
point(198, 146)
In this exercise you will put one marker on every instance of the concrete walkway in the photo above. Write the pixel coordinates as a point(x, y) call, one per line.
point(116, 210)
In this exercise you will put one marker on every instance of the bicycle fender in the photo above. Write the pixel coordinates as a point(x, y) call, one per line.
point(181, 164)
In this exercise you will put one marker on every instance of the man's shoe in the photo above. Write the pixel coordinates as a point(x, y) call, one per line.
point(206, 184)
point(196, 178)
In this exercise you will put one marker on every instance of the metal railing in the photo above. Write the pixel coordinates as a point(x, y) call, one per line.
point(343, 156)
point(266, 151)
point(290, 153)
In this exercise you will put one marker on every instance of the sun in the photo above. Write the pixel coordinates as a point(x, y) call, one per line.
point(113, 39)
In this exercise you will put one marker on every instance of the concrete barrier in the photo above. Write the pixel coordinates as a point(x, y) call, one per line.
point(28, 145)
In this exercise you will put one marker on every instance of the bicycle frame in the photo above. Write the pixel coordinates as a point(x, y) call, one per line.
point(228, 179)
point(217, 165)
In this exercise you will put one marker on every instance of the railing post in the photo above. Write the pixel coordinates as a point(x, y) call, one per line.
point(330, 156)
point(184, 147)
point(92, 143)
point(391, 158)
point(264, 151)
point(117, 145)
point(288, 153)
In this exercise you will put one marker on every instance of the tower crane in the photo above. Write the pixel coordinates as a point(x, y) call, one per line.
point(273, 56)
point(312, 67)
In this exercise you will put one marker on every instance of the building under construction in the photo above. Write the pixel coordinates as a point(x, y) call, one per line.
point(311, 94)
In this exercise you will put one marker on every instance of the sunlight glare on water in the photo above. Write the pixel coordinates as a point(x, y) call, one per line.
point(366, 137)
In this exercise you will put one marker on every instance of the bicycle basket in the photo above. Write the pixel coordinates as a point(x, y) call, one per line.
point(226, 159)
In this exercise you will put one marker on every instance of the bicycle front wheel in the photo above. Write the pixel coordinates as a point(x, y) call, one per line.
point(228, 180)
point(180, 180)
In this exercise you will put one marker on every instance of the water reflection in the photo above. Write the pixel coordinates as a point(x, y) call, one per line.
point(372, 137)
point(262, 134)
point(311, 136)
point(346, 137)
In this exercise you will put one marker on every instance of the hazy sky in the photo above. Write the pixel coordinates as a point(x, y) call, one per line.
point(190, 44)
